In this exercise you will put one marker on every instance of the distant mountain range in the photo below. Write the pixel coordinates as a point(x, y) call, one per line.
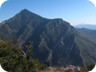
point(54, 40)
point(87, 26)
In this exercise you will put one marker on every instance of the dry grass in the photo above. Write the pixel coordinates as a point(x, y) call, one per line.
point(53, 70)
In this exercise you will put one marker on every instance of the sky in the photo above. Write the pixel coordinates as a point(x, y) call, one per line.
point(73, 11)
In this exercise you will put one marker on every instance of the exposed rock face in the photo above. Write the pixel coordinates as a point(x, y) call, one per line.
point(54, 41)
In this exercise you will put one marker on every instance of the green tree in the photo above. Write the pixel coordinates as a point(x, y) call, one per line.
point(13, 60)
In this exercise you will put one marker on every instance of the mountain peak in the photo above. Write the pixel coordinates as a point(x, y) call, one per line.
point(28, 14)
point(25, 10)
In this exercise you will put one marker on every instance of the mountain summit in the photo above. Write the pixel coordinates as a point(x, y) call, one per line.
point(54, 41)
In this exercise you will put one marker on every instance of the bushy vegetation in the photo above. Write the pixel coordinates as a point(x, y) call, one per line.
point(90, 67)
point(13, 59)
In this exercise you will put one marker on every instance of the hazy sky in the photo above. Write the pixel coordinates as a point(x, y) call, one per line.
point(73, 11)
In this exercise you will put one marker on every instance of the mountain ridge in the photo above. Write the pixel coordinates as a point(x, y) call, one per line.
point(87, 26)
point(54, 40)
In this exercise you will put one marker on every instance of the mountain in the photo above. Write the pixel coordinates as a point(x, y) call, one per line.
point(90, 34)
point(54, 41)
point(87, 26)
